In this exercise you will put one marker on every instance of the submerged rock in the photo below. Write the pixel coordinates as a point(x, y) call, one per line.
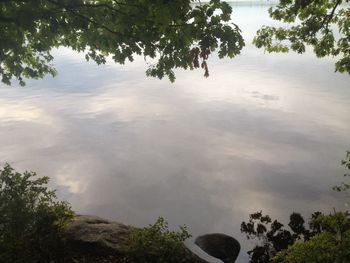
point(91, 239)
point(221, 246)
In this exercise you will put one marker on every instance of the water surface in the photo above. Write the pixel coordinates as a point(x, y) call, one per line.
point(262, 132)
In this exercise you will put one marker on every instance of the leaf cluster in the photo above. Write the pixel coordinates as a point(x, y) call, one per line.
point(166, 31)
point(331, 245)
point(322, 24)
point(31, 219)
point(273, 237)
point(156, 244)
point(346, 163)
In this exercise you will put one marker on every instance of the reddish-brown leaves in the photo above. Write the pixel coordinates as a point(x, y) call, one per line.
point(196, 54)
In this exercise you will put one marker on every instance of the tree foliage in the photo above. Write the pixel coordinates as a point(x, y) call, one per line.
point(326, 240)
point(156, 244)
point(331, 245)
point(322, 24)
point(346, 163)
point(176, 33)
point(273, 237)
point(31, 219)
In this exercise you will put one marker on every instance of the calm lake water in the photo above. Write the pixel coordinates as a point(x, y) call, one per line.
point(263, 132)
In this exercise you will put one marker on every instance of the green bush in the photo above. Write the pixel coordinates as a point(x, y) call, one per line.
point(332, 245)
point(31, 219)
point(325, 240)
point(156, 244)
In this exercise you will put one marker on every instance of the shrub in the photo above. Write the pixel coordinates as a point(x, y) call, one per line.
point(31, 219)
point(332, 245)
point(272, 236)
point(156, 244)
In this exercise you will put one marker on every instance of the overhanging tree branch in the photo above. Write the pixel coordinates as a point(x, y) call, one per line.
point(74, 12)
point(328, 18)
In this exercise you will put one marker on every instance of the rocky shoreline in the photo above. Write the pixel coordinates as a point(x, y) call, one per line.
point(92, 239)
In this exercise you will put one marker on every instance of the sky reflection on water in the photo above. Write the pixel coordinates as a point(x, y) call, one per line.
point(262, 132)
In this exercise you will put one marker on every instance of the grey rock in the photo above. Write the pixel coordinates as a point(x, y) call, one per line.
point(87, 232)
point(221, 246)
point(92, 239)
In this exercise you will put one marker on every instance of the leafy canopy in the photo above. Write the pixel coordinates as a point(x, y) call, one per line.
point(31, 219)
point(322, 24)
point(176, 33)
